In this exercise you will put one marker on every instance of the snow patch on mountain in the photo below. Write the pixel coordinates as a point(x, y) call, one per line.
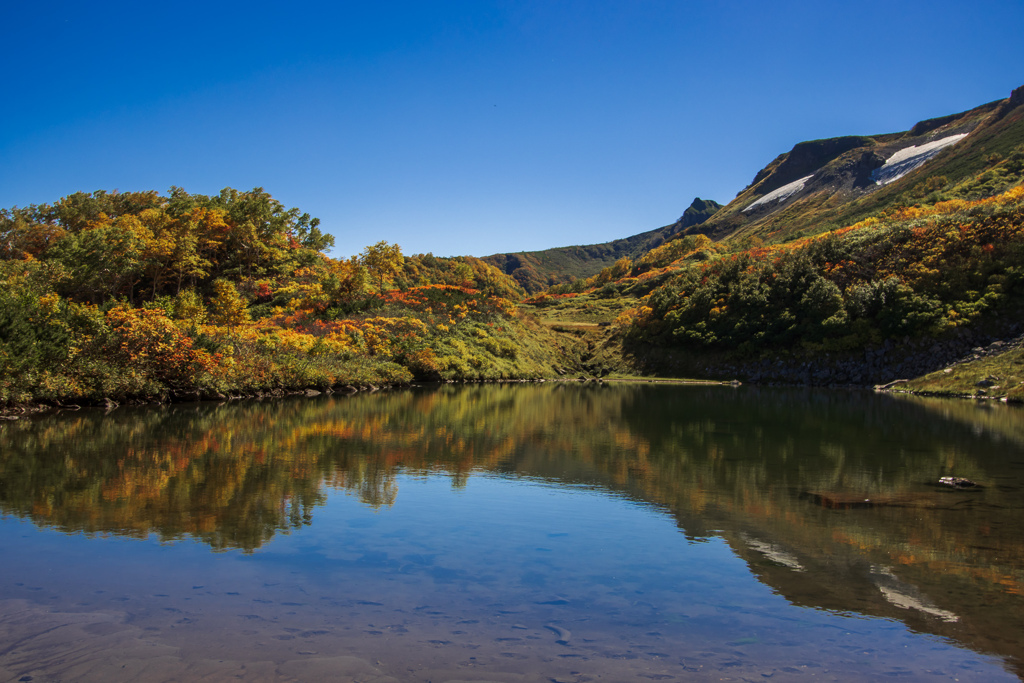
point(781, 194)
point(907, 159)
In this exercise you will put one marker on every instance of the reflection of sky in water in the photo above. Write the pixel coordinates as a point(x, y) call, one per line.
point(515, 536)
point(515, 533)
point(504, 575)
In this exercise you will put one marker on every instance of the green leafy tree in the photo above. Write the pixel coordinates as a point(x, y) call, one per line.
point(382, 260)
point(264, 237)
point(188, 307)
point(102, 262)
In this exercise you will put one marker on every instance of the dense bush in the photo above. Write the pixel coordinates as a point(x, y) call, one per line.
point(919, 270)
point(141, 295)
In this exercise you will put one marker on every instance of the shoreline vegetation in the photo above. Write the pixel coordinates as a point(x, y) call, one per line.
point(141, 298)
point(17, 411)
point(911, 285)
point(115, 297)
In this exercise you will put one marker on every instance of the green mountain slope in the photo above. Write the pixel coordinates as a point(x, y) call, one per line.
point(825, 184)
point(538, 270)
point(853, 260)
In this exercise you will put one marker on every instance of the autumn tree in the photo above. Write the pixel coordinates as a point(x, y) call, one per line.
point(266, 238)
point(188, 307)
point(346, 279)
point(227, 307)
point(102, 261)
point(22, 236)
point(382, 260)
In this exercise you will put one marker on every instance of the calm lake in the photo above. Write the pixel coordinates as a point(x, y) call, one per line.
point(540, 532)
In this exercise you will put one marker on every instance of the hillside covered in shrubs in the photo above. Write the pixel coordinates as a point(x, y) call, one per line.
point(114, 296)
point(857, 260)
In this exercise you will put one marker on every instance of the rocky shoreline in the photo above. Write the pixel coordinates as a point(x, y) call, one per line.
point(28, 409)
point(879, 366)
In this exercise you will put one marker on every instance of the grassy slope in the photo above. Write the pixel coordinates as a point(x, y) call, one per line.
point(998, 376)
point(584, 322)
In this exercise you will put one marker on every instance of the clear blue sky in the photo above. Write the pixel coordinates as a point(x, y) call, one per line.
point(474, 127)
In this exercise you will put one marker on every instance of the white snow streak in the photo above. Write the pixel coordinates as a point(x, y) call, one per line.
point(781, 194)
point(907, 159)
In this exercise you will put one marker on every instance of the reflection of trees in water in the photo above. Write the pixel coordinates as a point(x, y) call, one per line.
point(992, 419)
point(765, 458)
point(235, 475)
point(756, 463)
point(172, 472)
point(746, 463)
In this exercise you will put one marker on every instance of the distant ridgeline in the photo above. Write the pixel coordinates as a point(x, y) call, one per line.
point(538, 270)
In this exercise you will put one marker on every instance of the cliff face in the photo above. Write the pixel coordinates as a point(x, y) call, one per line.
point(1016, 98)
point(805, 158)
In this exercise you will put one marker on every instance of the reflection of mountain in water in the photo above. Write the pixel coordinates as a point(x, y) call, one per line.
point(829, 497)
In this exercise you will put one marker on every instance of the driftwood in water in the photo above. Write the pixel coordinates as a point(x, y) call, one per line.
point(851, 501)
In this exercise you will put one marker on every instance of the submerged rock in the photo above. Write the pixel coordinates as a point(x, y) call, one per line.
point(957, 482)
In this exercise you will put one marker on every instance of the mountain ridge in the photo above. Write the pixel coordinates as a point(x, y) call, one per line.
point(816, 186)
point(852, 260)
point(841, 174)
point(538, 270)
